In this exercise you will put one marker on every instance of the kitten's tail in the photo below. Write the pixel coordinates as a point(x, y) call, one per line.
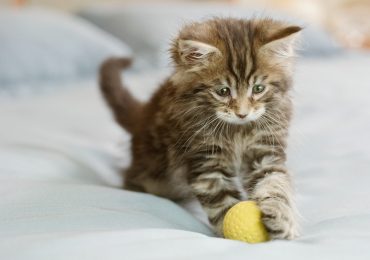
point(124, 106)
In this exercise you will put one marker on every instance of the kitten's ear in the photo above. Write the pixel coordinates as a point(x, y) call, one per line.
point(195, 54)
point(281, 40)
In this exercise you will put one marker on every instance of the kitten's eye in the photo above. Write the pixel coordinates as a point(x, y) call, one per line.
point(258, 89)
point(223, 92)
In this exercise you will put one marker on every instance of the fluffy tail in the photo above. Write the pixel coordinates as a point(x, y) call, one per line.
point(124, 106)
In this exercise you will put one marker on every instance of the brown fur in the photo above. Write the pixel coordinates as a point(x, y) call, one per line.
point(182, 149)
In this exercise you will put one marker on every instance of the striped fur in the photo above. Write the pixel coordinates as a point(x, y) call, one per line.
point(191, 141)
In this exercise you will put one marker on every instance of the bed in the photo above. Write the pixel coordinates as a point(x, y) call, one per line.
point(61, 155)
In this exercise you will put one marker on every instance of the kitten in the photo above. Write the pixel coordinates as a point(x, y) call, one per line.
point(216, 129)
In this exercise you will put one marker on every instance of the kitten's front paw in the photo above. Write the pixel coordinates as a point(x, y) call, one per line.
point(279, 218)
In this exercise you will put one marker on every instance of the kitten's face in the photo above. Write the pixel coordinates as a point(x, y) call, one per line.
point(240, 103)
point(244, 66)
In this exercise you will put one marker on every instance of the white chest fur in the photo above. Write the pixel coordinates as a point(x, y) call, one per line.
point(240, 146)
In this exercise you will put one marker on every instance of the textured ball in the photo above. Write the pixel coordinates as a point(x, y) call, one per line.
point(243, 222)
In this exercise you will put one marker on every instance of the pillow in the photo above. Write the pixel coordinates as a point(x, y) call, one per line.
point(39, 46)
point(148, 28)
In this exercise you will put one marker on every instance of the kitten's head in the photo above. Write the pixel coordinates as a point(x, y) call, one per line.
point(240, 68)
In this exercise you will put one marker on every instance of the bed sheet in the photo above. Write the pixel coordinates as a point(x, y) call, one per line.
point(60, 196)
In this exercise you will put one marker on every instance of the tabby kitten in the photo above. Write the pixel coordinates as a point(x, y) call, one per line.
point(216, 129)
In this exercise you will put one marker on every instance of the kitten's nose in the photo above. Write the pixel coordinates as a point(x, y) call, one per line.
point(241, 115)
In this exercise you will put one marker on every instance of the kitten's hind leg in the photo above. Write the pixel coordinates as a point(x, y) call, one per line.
point(133, 180)
point(140, 180)
point(132, 186)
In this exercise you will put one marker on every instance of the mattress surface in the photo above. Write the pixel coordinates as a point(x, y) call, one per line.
point(60, 156)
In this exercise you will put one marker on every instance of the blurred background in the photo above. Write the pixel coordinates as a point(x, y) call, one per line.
point(34, 34)
point(345, 19)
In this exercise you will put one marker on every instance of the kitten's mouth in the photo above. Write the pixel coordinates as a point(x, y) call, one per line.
point(233, 120)
point(240, 121)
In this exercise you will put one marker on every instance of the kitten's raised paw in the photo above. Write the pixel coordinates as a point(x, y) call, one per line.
point(279, 218)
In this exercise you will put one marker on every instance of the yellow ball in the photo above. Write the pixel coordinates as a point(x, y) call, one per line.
point(243, 222)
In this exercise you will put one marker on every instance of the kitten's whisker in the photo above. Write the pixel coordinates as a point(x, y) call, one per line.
point(269, 137)
point(273, 132)
point(195, 134)
point(191, 127)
